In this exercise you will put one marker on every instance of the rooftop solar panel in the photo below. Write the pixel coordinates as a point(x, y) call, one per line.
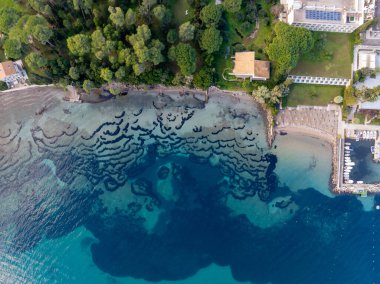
point(323, 15)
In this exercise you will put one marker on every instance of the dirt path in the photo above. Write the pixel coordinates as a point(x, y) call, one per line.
point(254, 33)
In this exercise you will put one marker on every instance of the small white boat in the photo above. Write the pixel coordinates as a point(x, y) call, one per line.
point(347, 148)
point(359, 182)
point(350, 181)
point(349, 168)
point(350, 164)
point(347, 144)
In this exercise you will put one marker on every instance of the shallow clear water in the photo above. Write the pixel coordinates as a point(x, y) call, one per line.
point(154, 188)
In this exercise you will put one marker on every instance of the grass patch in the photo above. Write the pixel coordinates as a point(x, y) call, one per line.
point(237, 26)
point(179, 11)
point(265, 32)
point(315, 95)
point(2, 55)
point(359, 118)
point(376, 121)
point(340, 47)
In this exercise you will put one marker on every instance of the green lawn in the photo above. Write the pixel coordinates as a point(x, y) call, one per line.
point(340, 66)
point(359, 118)
point(265, 32)
point(179, 12)
point(318, 95)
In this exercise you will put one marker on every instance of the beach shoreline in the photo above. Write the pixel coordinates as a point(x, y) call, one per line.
point(314, 133)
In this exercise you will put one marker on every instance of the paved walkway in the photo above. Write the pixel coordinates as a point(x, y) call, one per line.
point(319, 80)
point(328, 27)
point(350, 116)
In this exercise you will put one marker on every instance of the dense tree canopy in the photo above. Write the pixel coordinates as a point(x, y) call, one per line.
point(185, 55)
point(35, 60)
point(91, 42)
point(117, 16)
point(8, 18)
point(211, 40)
point(12, 48)
point(232, 6)
point(79, 44)
point(186, 31)
point(288, 45)
point(203, 79)
point(130, 18)
point(211, 14)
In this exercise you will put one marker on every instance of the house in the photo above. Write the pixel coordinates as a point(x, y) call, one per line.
point(325, 15)
point(367, 59)
point(12, 73)
point(370, 106)
point(246, 66)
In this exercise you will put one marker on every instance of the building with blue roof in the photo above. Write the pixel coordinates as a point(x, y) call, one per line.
point(326, 15)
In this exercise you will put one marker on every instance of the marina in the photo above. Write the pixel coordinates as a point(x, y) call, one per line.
point(356, 148)
point(358, 169)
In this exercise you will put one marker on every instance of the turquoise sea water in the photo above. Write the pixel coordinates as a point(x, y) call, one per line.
point(168, 189)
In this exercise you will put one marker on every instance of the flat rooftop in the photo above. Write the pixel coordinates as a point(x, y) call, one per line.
point(326, 11)
point(338, 4)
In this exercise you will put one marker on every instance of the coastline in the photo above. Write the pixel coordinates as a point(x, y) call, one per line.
point(236, 96)
point(271, 130)
point(269, 122)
